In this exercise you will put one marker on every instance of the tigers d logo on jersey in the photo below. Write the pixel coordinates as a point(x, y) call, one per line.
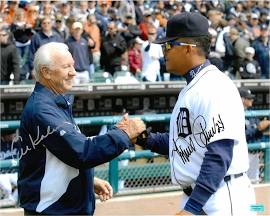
point(183, 124)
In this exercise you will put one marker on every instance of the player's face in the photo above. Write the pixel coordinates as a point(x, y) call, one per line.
point(62, 73)
point(175, 59)
point(247, 102)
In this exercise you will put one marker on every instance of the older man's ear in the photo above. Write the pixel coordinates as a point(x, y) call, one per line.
point(45, 72)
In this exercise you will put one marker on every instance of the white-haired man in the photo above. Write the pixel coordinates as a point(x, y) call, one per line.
point(56, 160)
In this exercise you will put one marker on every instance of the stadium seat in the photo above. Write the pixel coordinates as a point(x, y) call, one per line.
point(102, 77)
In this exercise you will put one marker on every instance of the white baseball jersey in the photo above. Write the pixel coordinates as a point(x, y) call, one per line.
point(208, 109)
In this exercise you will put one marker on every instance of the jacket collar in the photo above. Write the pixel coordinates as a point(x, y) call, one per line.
point(61, 100)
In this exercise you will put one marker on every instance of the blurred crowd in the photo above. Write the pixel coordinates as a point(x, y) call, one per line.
point(115, 36)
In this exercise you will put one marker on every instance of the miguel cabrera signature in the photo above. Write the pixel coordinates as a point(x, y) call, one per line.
point(186, 152)
point(201, 136)
point(35, 141)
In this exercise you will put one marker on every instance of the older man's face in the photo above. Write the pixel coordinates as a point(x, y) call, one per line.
point(62, 73)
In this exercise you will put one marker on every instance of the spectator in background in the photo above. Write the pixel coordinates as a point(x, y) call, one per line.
point(220, 40)
point(32, 14)
point(160, 16)
point(92, 7)
point(235, 50)
point(215, 17)
point(139, 9)
point(22, 32)
point(102, 17)
point(46, 35)
point(126, 8)
point(264, 16)
point(214, 56)
point(92, 29)
point(79, 48)
point(144, 25)
point(112, 47)
point(65, 9)
point(261, 46)
point(129, 30)
point(60, 27)
point(10, 61)
point(254, 27)
point(237, 10)
point(244, 29)
point(250, 68)
point(254, 126)
point(135, 57)
point(239, 44)
point(47, 9)
point(177, 8)
point(114, 16)
point(151, 54)
point(69, 21)
point(214, 5)
point(82, 12)
point(12, 8)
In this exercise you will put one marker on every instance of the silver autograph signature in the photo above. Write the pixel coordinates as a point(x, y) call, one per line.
point(34, 140)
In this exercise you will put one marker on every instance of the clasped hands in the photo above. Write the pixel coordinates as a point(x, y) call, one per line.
point(132, 126)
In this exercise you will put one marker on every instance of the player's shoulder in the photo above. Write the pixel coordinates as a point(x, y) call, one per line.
point(212, 81)
point(216, 77)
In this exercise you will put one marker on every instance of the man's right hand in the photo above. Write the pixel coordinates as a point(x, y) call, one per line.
point(132, 126)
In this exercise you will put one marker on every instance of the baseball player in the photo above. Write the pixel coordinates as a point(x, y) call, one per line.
point(206, 143)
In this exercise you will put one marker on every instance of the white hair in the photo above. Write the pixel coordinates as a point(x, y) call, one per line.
point(43, 55)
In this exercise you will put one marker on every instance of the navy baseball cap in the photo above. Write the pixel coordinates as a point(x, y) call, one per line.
point(185, 24)
point(246, 93)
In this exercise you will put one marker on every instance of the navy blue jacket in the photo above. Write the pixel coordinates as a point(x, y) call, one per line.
point(55, 172)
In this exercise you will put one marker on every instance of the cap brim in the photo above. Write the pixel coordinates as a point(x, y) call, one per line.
point(164, 40)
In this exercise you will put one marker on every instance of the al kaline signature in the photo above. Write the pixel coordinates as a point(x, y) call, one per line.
point(33, 140)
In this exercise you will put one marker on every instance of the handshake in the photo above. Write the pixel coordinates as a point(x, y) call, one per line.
point(132, 126)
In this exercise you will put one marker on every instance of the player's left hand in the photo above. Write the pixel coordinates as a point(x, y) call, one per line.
point(183, 212)
point(103, 189)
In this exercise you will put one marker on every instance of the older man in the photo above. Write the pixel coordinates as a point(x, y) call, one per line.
point(56, 160)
